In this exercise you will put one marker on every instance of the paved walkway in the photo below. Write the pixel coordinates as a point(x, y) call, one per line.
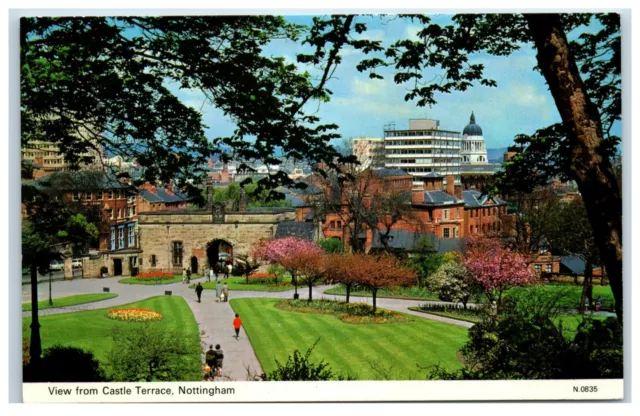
point(214, 318)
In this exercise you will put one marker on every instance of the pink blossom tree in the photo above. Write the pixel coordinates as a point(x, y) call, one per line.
point(290, 252)
point(494, 267)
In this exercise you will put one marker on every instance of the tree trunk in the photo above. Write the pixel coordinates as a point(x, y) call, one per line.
point(589, 166)
point(310, 289)
point(35, 348)
point(374, 292)
point(348, 291)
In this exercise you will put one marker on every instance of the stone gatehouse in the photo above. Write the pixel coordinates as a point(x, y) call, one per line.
point(174, 240)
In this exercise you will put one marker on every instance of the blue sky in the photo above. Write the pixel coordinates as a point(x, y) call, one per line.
point(521, 103)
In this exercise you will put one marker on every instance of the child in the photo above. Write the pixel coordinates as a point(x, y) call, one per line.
point(237, 323)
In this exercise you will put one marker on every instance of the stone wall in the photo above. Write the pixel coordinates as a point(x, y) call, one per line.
point(91, 266)
point(196, 231)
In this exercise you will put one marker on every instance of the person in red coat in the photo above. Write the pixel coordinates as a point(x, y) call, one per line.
point(237, 323)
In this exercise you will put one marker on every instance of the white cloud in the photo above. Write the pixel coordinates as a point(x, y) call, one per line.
point(526, 95)
point(349, 52)
point(411, 32)
point(369, 87)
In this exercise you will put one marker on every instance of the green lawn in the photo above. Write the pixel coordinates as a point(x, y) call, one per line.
point(349, 348)
point(572, 301)
point(135, 281)
point(413, 292)
point(238, 283)
point(91, 329)
point(70, 300)
point(570, 322)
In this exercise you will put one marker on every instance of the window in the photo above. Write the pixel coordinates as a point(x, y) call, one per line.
point(110, 213)
point(113, 239)
point(153, 260)
point(339, 225)
point(548, 268)
point(470, 213)
point(119, 212)
point(121, 237)
point(177, 253)
point(110, 195)
point(332, 225)
point(132, 237)
point(537, 267)
point(89, 196)
point(476, 228)
point(445, 215)
point(99, 195)
point(76, 196)
point(445, 233)
point(470, 229)
point(129, 212)
point(133, 209)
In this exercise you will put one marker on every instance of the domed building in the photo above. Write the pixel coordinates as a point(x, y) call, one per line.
point(472, 150)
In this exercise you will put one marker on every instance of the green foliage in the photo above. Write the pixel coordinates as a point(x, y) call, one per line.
point(277, 270)
point(146, 352)
point(65, 364)
point(257, 197)
point(354, 309)
point(452, 282)
point(425, 265)
point(332, 245)
point(510, 345)
point(300, 368)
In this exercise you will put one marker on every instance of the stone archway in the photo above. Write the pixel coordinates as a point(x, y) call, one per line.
point(218, 250)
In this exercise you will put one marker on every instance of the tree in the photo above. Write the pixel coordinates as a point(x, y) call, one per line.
point(148, 353)
point(584, 78)
point(49, 232)
point(285, 251)
point(376, 273)
point(313, 269)
point(102, 84)
point(65, 364)
point(340, 270)
point(572, 234)
point(249, 265)
point(453, 283)
point(493, 267)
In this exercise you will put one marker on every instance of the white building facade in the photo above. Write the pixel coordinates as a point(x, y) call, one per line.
point(473, 150)
point(424, 149)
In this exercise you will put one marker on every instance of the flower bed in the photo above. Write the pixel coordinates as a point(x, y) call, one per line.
point(262, 276)
point(134, 315)
point(155, 276)
point(351, 313)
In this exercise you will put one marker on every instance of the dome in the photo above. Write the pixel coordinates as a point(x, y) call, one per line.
point(472, 129)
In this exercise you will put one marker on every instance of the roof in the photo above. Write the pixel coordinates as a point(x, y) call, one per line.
point(472, 129)
point(305, 230)
point(575, 264)
point(439, 198)
point(400, 239)
point(162, 196)
point(384, 172)
point(432, 175)
point(82, 180)
point(489, 168)
point(474, 199)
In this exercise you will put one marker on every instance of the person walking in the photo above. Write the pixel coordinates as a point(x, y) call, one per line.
point(218, 290)
point(228, 270)
point(199, 290)
point(225, 291)
point(188, 276)
point(209, 274)
point(219, 357)
point(184, 275)
point(237, 323)
point(216, 270)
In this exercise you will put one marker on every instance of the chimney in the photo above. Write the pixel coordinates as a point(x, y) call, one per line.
point(149, 187)
point(169, 188)
point(450, 185)
point(242, 204)
point(458, 191)
point(417, 196)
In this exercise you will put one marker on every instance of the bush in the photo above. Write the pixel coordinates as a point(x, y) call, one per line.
point(524, 342)
point(145, 352)
point(331, 245)
point(353, 313)
point(134, 271)
point(64, 364)
point(299, 368)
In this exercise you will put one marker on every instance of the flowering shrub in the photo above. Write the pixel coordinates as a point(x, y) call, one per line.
point(352, 313)
point(155, 276)
point(262, 276)
point(134, 314)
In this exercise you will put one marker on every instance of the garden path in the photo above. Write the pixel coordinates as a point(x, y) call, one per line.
point(214, 318)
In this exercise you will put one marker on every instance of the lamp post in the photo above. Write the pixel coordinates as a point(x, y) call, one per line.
point(50, 300)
